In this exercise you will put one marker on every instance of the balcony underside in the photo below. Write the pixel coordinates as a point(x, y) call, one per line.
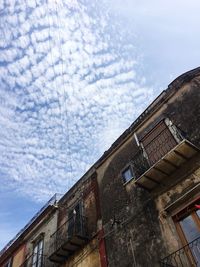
point(68, 247)
point(167, 165)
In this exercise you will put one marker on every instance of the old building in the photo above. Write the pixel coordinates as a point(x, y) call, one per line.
point(31, 244)
point(76, 242)
point(150, 177)
point(138, 205)
point(66, 232)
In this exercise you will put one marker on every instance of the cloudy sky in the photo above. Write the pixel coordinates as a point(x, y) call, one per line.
point(73, 75)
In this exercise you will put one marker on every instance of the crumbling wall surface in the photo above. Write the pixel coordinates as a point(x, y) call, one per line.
point(184, 111)
point(129, 215)
point(170, 202)
point(86, 195)
point(87, 256)
point(132, 218)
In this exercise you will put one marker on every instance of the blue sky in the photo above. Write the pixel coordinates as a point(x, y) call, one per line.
point(73, 75)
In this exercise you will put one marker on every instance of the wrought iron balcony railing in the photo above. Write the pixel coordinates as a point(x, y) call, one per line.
point(68, 238)
point(160, 156)
point(140, 163)
point(187, 256)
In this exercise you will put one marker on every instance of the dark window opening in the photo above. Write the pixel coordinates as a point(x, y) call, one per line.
point(75, 220)
point(127, 174)
point(9, 263)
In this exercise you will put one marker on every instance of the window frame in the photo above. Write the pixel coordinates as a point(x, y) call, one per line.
point(36, 244)
point(183, 213)
point(9, 263)
point(72, 220)
point(128, 167)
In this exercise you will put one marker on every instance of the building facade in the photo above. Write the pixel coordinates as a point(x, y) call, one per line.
point(150, 178)
point(31, 244)
point(138, 205)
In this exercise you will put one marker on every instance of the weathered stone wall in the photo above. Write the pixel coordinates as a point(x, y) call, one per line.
point(129, 217)
point(185, 111)
point(135, 232)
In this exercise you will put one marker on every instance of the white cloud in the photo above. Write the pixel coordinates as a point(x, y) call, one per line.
point(168, 35)
point(70, 90)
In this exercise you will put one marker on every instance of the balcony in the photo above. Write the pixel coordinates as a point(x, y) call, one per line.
point(163, 152)
point(167, 165)
point(187, 256)
point(68, 238)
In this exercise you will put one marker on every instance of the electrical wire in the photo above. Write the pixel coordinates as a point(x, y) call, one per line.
point(66, 115)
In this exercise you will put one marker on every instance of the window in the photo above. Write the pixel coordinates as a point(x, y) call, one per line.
point(9, 263)
point(188, 227)
point(38, 254)
point(127, 174)
point(75, 220)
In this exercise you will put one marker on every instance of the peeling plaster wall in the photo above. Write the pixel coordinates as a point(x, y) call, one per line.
point(86, 257)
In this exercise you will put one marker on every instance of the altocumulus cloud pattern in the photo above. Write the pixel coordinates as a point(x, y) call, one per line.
point(68, 86)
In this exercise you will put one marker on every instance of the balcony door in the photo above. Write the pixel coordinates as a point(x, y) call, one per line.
point(189, 231)
point(74, 223)
point(158, 142)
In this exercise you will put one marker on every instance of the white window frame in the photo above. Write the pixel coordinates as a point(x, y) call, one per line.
point(128, 167)
point(37, 259)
